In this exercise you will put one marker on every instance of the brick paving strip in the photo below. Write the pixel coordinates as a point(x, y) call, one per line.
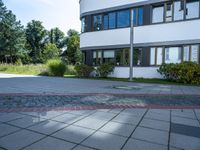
point(23, 102)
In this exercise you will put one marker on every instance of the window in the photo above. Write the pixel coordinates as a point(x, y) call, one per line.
point(186, 53)
point(112, 20)
point(159, 60)
point(97, 57)
point(192, 9)
point(194, 53)
point(97, 22)
point(172, 55)
point(178, 10)
point(168, 13)
point(153, 56)
point(123, 18)
point(122, 57)
point(109, 56)
point(105, 22)
point(137, 57)
point(138, 16)
point(158, 13)
point(83, 25)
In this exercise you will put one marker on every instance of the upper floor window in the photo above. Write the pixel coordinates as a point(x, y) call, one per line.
point(178, 10)
point(192, 9)
point(158, 14)
point(97, 22)
point(112, 20)
point(83, 25)
point(168, 13)
point(105, 22)
point(123, 18)
point(138, 16)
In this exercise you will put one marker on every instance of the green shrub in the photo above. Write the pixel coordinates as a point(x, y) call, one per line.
point(105, 69)
point(18, 62)
point(70, 70)
point(83, 70)
point(56, 67)
point(186, 72)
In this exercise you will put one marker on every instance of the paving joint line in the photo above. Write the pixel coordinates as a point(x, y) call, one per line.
point(169, 135)
point(196, 116)
point(134, 129)
point(97, 130)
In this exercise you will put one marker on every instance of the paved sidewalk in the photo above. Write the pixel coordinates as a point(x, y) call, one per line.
point(127, 129)
point(51, 85)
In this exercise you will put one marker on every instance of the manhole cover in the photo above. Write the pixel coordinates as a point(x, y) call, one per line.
point(127, 87)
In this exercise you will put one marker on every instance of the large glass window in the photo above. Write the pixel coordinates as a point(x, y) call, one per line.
point(159, 53)
point(105, 22)
point(153, 56)
point(97, 22)
point(158, 14)
point(122, 57)
point(83, 25)
point(195, 53)
point(97, 57)
point(186, 53)
point(178, 10)
point(109, 56)
point(192, 9)
point(112, 20)
point(172, 55)
point(138, 14)
point(123, 18)
point(137, 57)
point(168, 14)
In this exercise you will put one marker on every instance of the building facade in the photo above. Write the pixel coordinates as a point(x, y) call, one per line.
point(164, 32)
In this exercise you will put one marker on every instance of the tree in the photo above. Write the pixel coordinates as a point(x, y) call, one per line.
point(12, 36)
point(56, 36)
point(74, 54)
point(37, 37)
point(50, 52)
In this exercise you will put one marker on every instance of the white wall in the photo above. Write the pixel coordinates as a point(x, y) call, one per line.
point(188, 30)
point(93, 5)
point(138, 72)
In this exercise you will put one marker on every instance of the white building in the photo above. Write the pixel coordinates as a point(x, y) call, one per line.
point(164, 32)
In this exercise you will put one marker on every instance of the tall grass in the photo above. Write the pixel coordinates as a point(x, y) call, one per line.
point(23, 69)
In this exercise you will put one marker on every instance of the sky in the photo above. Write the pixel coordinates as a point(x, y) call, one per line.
point(53, 13)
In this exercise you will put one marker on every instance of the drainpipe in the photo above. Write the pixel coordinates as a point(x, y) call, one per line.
point(131, 47)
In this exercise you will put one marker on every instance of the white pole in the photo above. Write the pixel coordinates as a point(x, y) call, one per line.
point(131, 47)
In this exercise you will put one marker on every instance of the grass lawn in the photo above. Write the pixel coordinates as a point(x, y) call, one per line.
point(22, 69)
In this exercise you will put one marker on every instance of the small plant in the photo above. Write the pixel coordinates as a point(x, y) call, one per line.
point(105, 69)
point(186, 72)
point(83, 70)
point(18, 62)
point(56, 67)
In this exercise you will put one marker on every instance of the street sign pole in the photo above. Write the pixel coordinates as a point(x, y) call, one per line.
point(131, 47)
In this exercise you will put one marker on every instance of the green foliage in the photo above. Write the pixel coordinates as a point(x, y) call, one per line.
point(105, 69)
point(56, 67)
point(74, 54)
point(12, 36)
point(22, 69)
point(186, 72)
point(70, 70)
point(50, 52)
point(83, 70)
point(56, 36)
point(36, 37)
point(18, 62)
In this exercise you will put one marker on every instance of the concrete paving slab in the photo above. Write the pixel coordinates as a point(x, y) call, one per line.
point(82, 148)
point(155, 124)
point(90, 122)
point(50, 143)
point(26, 121)
point(103, 115)
point(68, 118)
point(105, 141)
point(184, 142)
point(48, 127)
point(73, 133)
point(151, 135)
point(45, 115)
point(184, 114)
point(156, 116)
point(185, 121)
point(10, 116)
point(135, 112)
point(127, 119)
point(19, 139)
point(133, 144)
point(7, 129)
point(118, 129)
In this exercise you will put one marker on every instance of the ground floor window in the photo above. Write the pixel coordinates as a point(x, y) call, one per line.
point(160, 55)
